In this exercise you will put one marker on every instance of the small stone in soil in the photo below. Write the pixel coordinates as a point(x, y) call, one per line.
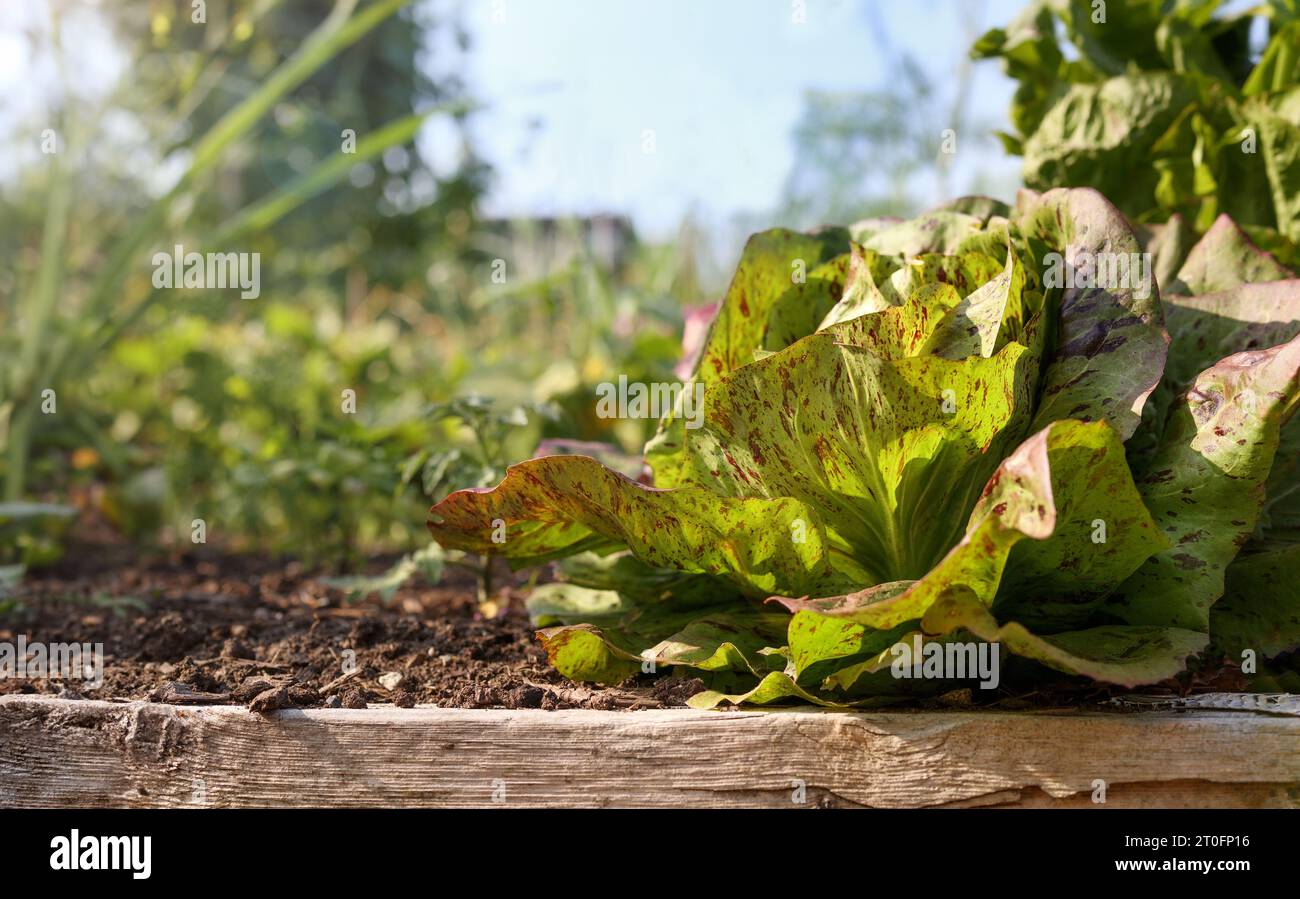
point(303, 695)
point(270, 700)
point(353, 699)
point(528, 697)
point(254, 685)
point(234, 649)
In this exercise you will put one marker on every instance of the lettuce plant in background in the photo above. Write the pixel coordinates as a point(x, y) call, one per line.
point(973, 423)
point(1172, 110)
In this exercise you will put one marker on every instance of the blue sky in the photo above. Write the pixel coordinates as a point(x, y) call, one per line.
point(572, 87)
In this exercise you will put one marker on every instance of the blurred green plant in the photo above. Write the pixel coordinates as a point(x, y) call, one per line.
point(427, 563)
point(1169, 108)
point(239, 422)
point(242, 424)
point(498, 436)
point(30, 534)
point(84, 297)
point(232, 413)
point(495, 432)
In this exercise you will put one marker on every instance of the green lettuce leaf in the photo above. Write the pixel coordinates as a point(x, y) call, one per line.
point(726, 637)
point(774, 264)
point(893, 452)
point(1033, 58)
point(1040, 505)
point(816, 639)
point(1117, 654)
point(941, 231)
point(564, 603)
point(1225, 258)
point(770, 266)
point(1163, 106)
point(1277, 121)
point(581, 652)
point(1168, 244)
point(1101, 134)
point(1110, 347)
point(867, 289)
point(731, 639)
point(1279, 520)
point(563, 504)
point(1260, 609)
point(774, 687)
point(1204, 329)
point(1205, 483)
point(797, 312)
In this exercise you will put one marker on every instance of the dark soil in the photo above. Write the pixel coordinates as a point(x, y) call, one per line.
point(266, 634)
point(212, 629)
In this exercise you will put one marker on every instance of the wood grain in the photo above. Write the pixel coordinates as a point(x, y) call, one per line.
point(66, 753)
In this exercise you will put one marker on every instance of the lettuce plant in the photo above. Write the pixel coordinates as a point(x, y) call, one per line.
point(971, 424)
point(1165, 107)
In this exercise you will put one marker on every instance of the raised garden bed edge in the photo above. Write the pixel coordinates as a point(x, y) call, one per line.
point(80, 753)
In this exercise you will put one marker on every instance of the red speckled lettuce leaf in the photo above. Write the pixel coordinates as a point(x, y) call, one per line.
point(560, 505)
point(1109, 347)
point(1031, 549)
point(1205, 483)
point(778, 268)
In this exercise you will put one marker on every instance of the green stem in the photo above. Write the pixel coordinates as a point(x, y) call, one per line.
point(485, 580)
point(20, 440)
point(40, 313)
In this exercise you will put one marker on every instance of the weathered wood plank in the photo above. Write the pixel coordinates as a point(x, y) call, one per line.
point(86, 754)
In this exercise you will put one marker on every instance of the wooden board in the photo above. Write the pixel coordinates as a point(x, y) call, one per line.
point(68, 753)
